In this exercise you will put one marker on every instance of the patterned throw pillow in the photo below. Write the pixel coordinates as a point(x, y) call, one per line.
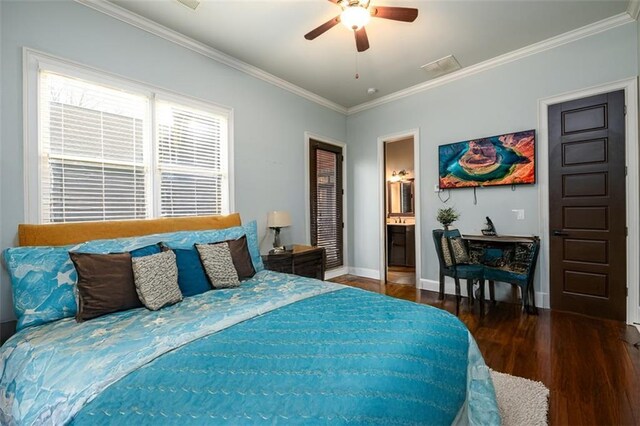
point(218, 264)
point(156, 280)
point(43, 281)
point(459, 251)
point(522, 258)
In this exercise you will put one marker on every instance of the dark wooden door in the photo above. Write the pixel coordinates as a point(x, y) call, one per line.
point(587, 212)
point(326, 180)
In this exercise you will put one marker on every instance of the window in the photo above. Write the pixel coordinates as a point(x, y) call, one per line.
point(189, 161)
point(107, 152)
point(327, 225)
point(92, 145)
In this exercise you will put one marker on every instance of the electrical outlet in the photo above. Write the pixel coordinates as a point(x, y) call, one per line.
point(436, 188)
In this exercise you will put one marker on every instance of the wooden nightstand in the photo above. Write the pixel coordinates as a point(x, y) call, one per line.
point(305, 261)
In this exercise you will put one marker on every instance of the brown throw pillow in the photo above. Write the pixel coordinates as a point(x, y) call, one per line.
point(241, 258)
point(105, 284)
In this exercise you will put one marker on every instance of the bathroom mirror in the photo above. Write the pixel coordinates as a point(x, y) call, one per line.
point(400, 196)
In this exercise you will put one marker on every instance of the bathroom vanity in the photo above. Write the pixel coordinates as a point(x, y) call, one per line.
point(401, 244)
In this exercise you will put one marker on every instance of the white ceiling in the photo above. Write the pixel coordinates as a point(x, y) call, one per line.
point(269, 34)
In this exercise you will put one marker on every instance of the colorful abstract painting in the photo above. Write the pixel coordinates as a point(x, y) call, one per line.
point(498, 160)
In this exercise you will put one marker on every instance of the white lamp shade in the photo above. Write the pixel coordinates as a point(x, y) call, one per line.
point(278, 219)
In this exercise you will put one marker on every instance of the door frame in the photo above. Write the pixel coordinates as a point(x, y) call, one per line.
point(630, 87)
point(344, 269)
point(415, 134)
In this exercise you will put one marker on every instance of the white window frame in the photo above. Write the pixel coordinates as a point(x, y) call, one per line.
point(34, 61)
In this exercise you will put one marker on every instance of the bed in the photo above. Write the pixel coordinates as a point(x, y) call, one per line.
point(278, 349)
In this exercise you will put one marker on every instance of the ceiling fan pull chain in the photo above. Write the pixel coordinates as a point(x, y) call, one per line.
point(357, 76)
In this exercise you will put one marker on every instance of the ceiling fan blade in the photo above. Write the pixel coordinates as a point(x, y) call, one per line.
point(362, 41)
point(405, 14)
point(322, 28)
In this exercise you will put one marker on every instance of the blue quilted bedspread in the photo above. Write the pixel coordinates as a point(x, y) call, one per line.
point(309, 353)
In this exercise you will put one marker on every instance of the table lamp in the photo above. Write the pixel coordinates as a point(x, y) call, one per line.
point(275, 221)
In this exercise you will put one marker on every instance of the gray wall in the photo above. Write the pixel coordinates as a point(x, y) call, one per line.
point(495, 101)
point(269, 122)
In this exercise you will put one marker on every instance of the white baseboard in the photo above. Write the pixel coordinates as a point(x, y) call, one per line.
point(336, 272)
point(364, 272)
point(542, 299)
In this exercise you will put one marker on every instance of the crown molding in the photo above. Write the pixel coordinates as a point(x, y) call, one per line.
point(634, 9)
point(154, 28)
point(550, 43)
point(124, 15)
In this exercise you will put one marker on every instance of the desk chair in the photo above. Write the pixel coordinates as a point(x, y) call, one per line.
point(523, 279)
point(458, 271)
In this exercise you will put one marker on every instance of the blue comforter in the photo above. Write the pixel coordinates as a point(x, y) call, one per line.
point(278, 349)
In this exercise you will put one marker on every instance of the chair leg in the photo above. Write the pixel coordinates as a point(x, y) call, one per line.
point(441, 292)
point(458, 295)
point(525, 298)
point(492, 291)
point(481, 301)
point(470, 291)
point(532, 296)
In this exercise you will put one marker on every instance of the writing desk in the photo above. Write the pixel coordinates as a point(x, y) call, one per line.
point(507, 258)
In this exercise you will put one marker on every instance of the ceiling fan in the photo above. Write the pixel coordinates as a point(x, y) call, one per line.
point(356, 14)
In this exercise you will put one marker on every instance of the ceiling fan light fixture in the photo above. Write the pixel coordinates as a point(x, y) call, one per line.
point(355, 17)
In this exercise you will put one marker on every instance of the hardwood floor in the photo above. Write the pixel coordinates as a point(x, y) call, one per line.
point(401, 275)
point(590, 366)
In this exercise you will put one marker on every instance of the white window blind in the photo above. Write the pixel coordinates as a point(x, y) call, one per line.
point(92, 145)
point(100, 159)
point(190, 161)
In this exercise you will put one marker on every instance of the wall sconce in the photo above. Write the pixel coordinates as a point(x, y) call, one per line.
point(398, 176)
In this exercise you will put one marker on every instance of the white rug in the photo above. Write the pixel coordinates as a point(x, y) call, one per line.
point(521, 401)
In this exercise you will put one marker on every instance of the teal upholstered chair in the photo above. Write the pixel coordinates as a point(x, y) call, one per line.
point(523, 278)
point(457, 271)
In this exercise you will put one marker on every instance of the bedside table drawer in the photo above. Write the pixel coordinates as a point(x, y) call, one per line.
point(308, 263)
point(278, 262)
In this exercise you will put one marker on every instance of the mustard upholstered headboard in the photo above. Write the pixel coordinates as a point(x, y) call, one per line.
point(61, 234)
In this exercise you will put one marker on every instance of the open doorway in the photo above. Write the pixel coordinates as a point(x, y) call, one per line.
point(400, 211)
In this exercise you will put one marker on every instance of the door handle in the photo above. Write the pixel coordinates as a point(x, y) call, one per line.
point(557, 233)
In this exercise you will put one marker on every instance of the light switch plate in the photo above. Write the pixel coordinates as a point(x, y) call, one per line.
point(519, 213)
